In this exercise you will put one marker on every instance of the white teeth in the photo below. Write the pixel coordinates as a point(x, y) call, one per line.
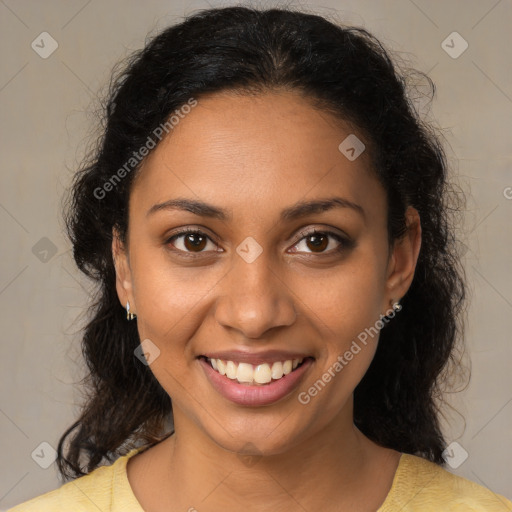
point(231, 370)
point(277, 370)
point(262, 374)
point(249, 374)
point(244, 372)
point(221, 366)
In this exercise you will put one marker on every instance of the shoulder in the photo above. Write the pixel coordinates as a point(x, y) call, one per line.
point(96, 491)
point(89, 492)
point(423, 486)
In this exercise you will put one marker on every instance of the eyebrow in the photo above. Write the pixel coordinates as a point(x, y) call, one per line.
point(296, 211)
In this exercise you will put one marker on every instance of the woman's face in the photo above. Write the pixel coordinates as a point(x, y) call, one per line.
point(256, 279)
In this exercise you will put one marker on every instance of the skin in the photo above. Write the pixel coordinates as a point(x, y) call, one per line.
point(255, 156)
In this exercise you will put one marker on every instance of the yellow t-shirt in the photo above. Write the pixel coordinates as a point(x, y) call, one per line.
point(418, 486)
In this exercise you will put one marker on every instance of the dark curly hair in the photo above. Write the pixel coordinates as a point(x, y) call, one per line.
point(343, 70)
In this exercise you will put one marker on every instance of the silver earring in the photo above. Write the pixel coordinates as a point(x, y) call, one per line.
point(397, 306)
point(129, 316)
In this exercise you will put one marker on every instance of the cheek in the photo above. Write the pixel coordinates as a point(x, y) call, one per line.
point(167, 292)
point(346, 309)
point(170, 302)
point(349, 330)
point(348, 298)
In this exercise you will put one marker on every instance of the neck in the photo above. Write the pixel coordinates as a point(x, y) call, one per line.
point(335, 465)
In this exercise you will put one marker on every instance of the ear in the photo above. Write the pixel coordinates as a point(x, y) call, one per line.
point(402, 263)
point(123, 271)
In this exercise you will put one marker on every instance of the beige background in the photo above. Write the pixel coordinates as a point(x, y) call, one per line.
point(45, 123)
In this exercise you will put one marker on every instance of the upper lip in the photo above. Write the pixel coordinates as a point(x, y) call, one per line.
point(268, 356)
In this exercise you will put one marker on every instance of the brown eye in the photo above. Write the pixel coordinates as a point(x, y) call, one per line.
point(195, 242)
point(192, 241)
point(316, 242)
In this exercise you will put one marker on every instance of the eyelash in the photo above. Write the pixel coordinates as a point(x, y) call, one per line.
point(345, 243)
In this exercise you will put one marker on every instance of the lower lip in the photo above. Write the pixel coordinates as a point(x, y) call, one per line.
point(244, 394)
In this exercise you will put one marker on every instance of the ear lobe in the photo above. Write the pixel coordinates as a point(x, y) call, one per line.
point(122, 266)
point(405, 256)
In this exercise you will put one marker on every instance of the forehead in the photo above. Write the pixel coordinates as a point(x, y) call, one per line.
point(253, 154)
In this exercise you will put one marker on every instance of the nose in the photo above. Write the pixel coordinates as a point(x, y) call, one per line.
point(254, 298)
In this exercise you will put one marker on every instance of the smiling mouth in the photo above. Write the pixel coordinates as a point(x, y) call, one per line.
point(254, 375)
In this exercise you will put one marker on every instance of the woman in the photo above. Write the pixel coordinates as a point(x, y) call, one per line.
point(279, 294)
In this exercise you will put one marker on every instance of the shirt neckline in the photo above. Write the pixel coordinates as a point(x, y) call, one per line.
point(123, 497)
